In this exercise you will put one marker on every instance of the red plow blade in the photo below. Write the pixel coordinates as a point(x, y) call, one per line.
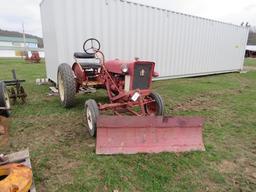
point(132, 134)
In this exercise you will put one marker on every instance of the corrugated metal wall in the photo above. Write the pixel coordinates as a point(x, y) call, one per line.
point(181, 45)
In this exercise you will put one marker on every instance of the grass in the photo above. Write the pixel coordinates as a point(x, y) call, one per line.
point(250, 62)
point(63, 154)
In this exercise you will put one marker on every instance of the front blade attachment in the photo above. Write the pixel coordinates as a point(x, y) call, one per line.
point(150, 134)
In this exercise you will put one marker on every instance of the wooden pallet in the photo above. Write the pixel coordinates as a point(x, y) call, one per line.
point(23, 158)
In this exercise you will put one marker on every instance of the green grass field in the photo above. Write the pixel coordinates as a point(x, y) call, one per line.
point(63, 153)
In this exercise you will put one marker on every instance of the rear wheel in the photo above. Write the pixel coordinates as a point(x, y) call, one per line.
point(156, 107)
point(91, 115)
point(66, 85)
point(4, 100)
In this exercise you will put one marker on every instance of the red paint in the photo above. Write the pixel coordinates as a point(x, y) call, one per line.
point(114, 66)
point(79, 73)
point(35, 57)
point(111, 78)
point(150, 134)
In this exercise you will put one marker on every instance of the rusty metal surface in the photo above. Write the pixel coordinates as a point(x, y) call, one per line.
point(132, 134)
point(19, 178)
point(16, 90)
point(21, 157)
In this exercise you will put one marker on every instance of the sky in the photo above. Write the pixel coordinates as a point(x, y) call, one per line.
point(14, 12)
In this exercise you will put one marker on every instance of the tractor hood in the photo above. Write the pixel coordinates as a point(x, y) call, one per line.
point(116, 66)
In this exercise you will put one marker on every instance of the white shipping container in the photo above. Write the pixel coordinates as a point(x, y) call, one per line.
point(181, 45)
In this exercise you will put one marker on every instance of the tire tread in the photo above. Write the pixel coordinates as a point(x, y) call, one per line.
point(159, 101)
point(69, 85)
point(95, 113)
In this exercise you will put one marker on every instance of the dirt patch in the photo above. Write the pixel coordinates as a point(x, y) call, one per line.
point(250, 68)
point(55, 142)
point(240, 173)
point(251, 173)
point(249, 170)
point(197, 104)
point(35, 132)
point(244, 174)
point(66, 178)
point(227, 167)
point(61, 169)
point(205, 101)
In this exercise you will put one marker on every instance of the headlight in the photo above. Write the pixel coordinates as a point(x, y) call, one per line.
point(124, 68)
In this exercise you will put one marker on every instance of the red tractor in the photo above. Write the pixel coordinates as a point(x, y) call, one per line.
point(128, 87)
point(33, 57)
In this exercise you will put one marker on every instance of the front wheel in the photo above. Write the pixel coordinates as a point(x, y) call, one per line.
point(91, 115)
point(156, 107)
point(4, 100)
point(66, 85)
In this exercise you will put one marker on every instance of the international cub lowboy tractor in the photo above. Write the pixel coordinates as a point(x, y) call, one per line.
point(138, 124)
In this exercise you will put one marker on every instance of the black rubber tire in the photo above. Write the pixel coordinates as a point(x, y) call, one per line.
point(92, 106)
point(159, 103)
point(66, 75)
point(3, 101)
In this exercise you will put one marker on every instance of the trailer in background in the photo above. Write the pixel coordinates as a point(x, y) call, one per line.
point(182, 45)
point(250, 51)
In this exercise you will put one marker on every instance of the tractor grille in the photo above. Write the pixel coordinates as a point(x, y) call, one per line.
point(142, 76)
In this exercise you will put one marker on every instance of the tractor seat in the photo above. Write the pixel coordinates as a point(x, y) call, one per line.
point(90, 65)
point(80, 55)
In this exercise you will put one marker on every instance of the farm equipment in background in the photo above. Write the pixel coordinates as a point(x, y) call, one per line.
point(11, 90)
point(32, 57)
point(138, 124)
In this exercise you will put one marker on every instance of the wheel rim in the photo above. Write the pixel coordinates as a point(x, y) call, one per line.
point(61, 87)
point(89, 118)
point(7, 99)
point(151, 108)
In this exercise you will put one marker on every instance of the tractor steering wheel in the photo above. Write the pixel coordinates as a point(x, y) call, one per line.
point(91, 46)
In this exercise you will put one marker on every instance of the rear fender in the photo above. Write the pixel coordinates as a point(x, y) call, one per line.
point(79, 73)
